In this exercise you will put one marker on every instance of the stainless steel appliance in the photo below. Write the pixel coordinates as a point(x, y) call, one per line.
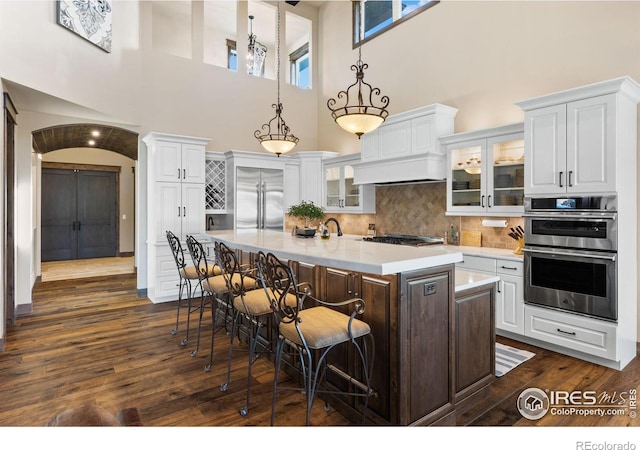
point(570, 254)
point(259, 198)
point(403, 239)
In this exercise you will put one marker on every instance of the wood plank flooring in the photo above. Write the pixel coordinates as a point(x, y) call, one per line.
point(94, 340)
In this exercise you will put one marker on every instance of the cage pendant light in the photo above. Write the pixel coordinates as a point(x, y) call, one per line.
point(275, 136)
point(359, 114)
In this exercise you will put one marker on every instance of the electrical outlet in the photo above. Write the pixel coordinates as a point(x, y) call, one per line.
point(430, 288)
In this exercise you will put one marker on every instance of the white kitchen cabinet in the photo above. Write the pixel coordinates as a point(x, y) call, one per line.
point(305, 175)
point(215, 183)
point(595, 338)
point(510, 293)
point(340, 193)
point(486, 171)
point(575, 139)
point(177, 161)
point(510, 296)
point(176, 202)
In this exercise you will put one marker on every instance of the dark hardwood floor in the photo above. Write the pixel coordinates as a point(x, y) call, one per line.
point(95, 340)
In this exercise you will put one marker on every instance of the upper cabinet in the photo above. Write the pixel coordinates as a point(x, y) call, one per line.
point(215, 187)
point(178, 159)
point(340, 192)
point(486, 171)
point(575, 139)
point(406, 147)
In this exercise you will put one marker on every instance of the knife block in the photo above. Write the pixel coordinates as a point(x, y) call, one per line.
point(518, 250)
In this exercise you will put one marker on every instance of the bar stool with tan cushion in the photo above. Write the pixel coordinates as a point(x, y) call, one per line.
point(313, 327)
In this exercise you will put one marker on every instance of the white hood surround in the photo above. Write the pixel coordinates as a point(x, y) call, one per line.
point(406, 147)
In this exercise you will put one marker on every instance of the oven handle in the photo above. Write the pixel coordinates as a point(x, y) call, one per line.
point(590, 216)
point(561, 253)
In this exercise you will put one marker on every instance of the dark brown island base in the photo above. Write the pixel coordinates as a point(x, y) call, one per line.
point(434, 338)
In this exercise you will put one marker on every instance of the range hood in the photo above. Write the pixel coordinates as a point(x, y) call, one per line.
point(406, 148)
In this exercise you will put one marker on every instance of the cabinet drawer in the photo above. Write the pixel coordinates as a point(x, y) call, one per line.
point(571, 331)
point(509, 267)
point(470, 262)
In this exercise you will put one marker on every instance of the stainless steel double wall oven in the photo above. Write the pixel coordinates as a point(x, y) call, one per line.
point(570, 254)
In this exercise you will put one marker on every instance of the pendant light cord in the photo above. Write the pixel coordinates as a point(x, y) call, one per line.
point(278, 53)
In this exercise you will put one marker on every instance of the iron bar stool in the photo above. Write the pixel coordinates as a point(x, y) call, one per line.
point(251, 303)
point(187, 274)
point(212, 288)
point(314, 330)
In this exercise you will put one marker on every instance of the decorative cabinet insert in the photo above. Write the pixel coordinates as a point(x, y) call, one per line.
point(340, 192)
point(486, 171)
point(215, 183)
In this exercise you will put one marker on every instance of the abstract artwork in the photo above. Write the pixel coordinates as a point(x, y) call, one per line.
point(90, 19)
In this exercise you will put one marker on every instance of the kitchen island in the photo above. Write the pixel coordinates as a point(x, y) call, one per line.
point(427, 337)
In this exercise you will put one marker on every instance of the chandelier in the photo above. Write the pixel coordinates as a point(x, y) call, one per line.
point(256, 53)
point(275, 136)
point(359, 115)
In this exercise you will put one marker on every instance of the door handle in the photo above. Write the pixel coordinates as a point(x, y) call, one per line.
point(178, 173)
point(184, 211)
point(569, 183)
point(184, 174)
point(264, 203)
point(79, 225)
point(482, 201)
point(560, 179)
point(489, 201)
point(178, 211)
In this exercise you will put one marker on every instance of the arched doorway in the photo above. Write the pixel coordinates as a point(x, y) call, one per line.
point(81, 150)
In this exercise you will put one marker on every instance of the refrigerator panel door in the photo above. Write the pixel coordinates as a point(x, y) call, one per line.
point(247, 198)
point(273, 201)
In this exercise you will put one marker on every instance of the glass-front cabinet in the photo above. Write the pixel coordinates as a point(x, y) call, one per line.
point(340, 194)
point(486, 171)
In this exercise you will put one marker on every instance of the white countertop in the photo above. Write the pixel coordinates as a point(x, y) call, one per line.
point(489, 252)
point(466, 279)
point(348, 252)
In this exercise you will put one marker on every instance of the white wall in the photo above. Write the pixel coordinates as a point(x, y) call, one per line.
point(479, 57)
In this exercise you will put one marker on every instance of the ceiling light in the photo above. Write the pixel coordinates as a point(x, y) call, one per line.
point(256, 53)
point(92, 142)
point(279, 140)
point(359, 115)
point(95, 133)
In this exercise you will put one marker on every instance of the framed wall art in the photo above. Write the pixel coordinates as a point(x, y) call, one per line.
point(90, 19)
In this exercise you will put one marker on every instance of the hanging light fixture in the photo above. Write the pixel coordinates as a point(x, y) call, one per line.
point(359, 115)
point(256, 53)
point(279, 139)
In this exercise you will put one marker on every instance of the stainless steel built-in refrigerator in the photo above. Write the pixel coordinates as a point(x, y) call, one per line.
point(260, 198)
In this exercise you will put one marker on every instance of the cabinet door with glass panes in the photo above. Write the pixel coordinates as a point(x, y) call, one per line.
point(466, 186)
point(486, 173)
point(341, 194)
point(505, 161)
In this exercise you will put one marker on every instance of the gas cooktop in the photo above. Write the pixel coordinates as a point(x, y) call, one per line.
point(403, 239)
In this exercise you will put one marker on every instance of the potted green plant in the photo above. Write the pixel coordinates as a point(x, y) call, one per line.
point(309, 212)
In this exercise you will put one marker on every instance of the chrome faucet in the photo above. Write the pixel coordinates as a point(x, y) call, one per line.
point(331, 219)
point(210, 223)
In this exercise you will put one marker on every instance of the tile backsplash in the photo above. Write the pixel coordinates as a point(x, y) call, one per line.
point(419, 209)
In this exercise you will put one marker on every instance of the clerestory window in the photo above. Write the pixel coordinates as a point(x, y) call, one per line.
point(372, 17)
point(300, 70)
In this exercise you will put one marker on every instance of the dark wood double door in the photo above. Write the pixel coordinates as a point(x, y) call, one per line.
point(79, 213)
